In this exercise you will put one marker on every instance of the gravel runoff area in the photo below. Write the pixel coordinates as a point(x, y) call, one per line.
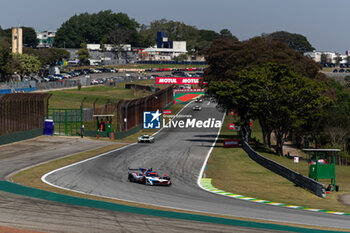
point(24, 214)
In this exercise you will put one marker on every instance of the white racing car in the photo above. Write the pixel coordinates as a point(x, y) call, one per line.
point(197, 108)
point(145, 138)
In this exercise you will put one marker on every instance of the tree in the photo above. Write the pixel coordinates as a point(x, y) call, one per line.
point(338, 59)
point(48, 56)
point(197, 39)
point(280, 98)
point(29, 36)
point(118, 38)
point(91, 28)
point(26, 64)
point(5, 59)
point(325, 58)
point(335, 122)
point(293, 40)
point(181, 57)
point(347, 81)
point(227, 57)
point(225, 33)
point(83, 55)
point(2, 33)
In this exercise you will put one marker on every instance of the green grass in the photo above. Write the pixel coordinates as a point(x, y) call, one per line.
point(72, 98)
point(232, 170)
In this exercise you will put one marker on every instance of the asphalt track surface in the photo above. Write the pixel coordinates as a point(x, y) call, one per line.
point(25, 213)
point(179, 153)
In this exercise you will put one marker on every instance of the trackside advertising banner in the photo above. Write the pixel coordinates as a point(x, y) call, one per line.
point(176, 80)
point(188, 90)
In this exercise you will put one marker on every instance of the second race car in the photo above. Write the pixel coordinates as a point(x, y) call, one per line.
point(145, 138)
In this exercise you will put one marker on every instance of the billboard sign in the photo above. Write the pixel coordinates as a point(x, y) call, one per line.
point(175, 80)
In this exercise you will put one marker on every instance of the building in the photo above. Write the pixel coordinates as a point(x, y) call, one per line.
point(324, 57)
point(165, 50)
point(17, 40)
point(108, 47)
point(46, 38)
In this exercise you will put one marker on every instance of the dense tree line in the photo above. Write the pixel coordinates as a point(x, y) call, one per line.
point(266, 80)
point(118, 28)
point(93, 28)
point(331, 129)
point(31, 61)
point(293, 40)
point(196, 39)
point(29, 36)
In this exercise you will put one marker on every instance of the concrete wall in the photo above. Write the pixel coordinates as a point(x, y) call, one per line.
point(19, 136)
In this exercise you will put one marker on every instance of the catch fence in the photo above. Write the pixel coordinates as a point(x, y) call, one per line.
point(127, 115)
point(130, 112)
point(22, 112)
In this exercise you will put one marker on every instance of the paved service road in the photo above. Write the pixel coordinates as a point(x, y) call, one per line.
point(179, 153)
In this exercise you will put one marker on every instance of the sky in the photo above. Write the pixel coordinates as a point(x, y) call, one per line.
point(323, 22)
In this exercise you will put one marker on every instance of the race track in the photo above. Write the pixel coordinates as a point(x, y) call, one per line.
point(179, 153)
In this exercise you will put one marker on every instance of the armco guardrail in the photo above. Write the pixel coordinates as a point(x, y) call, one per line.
point(298, 179)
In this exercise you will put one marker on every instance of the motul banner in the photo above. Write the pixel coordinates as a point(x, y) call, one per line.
point(175, 80)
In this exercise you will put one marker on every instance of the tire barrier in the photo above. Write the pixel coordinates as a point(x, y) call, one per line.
point(298, 179)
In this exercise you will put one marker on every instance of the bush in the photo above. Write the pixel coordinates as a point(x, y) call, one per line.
point(79, 86)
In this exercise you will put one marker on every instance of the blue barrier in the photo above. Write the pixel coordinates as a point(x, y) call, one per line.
point(17, 90)
point(5, 91)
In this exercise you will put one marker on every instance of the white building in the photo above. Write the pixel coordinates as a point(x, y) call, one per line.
point(46, 38)
point(108, 47)
point(164, 54)
point(327, 57)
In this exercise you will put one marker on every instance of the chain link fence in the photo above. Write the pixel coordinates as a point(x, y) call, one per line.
point(127, 115)
point(130, 112)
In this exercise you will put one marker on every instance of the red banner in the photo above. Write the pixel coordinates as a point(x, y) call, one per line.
point(175, 80)
point(167, 112)
point(231, 143)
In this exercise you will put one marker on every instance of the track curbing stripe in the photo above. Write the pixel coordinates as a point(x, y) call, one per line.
point(205, 184)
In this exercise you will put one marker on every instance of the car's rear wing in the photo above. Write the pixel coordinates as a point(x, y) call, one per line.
point(139, 169)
